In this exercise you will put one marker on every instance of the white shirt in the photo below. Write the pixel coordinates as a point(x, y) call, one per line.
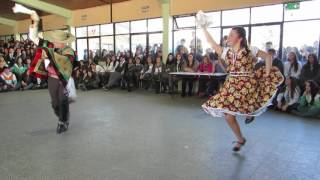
point(112, 67)
point(290, 72)
point(287, 96)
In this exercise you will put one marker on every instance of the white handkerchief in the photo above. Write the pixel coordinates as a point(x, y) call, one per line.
point(202, 19)
point(46, 63)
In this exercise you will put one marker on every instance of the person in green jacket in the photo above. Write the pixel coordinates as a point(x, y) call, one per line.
point(19, 69)
point(309, 102)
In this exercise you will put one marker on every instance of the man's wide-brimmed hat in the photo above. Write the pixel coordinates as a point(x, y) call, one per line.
point(59, 36)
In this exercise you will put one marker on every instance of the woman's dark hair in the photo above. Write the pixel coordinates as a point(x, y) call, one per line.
point(295, 62)
point(293, 85)
point(242, 34)
point(168, 62)
point(315, 64)
point(193, 60)
point(314, 89)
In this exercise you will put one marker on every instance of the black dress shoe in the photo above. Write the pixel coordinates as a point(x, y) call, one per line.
point(249, 120)
point(62, 127)
point(238, 148)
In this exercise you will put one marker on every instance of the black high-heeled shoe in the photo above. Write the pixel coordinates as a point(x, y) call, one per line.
point(249, 120)
point(236, 148)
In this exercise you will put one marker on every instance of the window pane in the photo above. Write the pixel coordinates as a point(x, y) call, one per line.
point(93, 30)
point(266, 14)
point(82, 49)
point(189, 21)
point(139, 44)
point(122, 28)
point(139, 26)
point(182, 41)
point(81, 32)
point(107, 43)
point(307, 10)
point(265, 37)
point(106, 29)
point(235, 17)
point(301, 36)
point(73, 32)
point(155, 25)
point(205, 46)
point(214, 18)
point(155, 43)
point(122, 43)
point(94, 45)
point(226, 31)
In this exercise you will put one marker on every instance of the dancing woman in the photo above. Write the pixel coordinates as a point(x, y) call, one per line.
point(245, 92)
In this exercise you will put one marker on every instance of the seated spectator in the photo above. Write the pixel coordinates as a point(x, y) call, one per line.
point(91, 81)
point(146, 73)
point(117, 75)
point(191, 65)
point(288, 100)
point(112, 64)
point(28, 81)
point(157, 74)
point(10, 79)
point(2, 64)
point(169, 67)
point(309, 102)
point(310, 70)
point(205, 67)
point(82, 77)
point(10, 58)
point(129, 76)
point(292, 67)
point(100, 71)
point(137, 71)
point(19, 69)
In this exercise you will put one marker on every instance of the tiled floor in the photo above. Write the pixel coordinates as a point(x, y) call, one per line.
point(142, 136)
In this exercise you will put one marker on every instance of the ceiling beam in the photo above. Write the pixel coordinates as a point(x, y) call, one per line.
point(8, 22)
point(46, 7)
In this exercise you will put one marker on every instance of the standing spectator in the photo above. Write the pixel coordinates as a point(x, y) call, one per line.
point(157, 73)
point(205, 67)
point(191, 65)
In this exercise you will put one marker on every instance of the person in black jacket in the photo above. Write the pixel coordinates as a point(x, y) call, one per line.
point(310, 70)
point(129, 76)
point(10, 58)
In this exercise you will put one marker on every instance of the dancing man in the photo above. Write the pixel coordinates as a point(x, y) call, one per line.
point(53, 60)
point(245, 92)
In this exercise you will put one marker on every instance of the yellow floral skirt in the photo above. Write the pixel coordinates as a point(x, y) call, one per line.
point(245, 95)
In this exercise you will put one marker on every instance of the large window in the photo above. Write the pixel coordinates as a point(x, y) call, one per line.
point(183, 22)
point(106, 29)
point(138, 26)
point(267, 14)
point(122, 28)
point(184, 41)
point(304, 10)
point(155, 42)
point(107, 43)
point(203, 43)
point(155, 25)
point(81, 32)
point(301, 37)
point(138, 44)
point(94, 44)
point(94, 30)
point(236, 17)
point(122, 43)
point(82, 49)
point(266, 37)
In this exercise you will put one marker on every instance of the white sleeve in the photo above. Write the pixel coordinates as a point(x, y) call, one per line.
point(224, 53)
point(33, 35)
point(254, 50)
point(280, 96)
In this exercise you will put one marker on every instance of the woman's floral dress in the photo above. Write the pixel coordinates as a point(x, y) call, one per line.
point(245, 92)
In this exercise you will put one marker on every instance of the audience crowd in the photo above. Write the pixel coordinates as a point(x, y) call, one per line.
point(299, 94)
